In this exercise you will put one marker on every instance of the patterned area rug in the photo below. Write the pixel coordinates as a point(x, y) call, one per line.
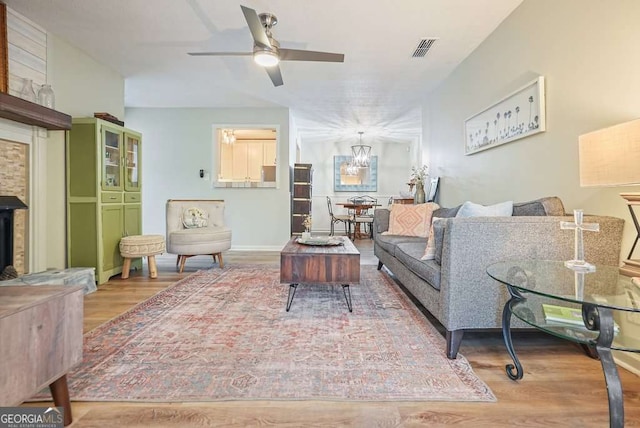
point(225, 335)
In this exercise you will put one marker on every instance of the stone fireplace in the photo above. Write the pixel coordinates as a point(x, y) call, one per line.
point(14, 181)
point(8, 206)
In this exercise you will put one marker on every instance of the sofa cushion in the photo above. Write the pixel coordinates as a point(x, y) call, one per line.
point(389, 242)
point(411, 220)
point(469, 209)
point(409, 254)
point(544, 206)
point(202, 235)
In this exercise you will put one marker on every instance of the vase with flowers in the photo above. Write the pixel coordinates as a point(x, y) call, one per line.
point(419, 176)
point(307, 227)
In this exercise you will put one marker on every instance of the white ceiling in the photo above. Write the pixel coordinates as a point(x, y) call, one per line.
point(378, 89)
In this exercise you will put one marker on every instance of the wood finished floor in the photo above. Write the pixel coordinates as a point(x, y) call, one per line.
point(561, 387)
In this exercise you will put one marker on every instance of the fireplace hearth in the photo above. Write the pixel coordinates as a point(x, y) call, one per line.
point(8, 204)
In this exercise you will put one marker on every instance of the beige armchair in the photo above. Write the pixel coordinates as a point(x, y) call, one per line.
point(196, 227)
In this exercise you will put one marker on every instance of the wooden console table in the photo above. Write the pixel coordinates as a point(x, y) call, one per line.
point(41, 336)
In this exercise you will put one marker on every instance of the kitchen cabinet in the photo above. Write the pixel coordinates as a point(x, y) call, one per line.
point(269, 153)
point(243, 160)
point(104, 199)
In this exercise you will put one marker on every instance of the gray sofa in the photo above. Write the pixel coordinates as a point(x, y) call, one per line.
point(455, 287)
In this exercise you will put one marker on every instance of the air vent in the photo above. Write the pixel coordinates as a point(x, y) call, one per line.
point(423, 47)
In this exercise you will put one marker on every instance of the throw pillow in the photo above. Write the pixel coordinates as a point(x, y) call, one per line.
point(430, 251)
point(550, 205)
point(446, 212)
point(531, 208)
point(469, 209)
point(194, 217)
point(438, 232)
point(411, 220)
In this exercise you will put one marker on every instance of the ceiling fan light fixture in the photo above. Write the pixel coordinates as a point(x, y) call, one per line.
point(266, 58)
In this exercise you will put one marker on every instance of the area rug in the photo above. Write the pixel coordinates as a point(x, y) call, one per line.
point(225, 335)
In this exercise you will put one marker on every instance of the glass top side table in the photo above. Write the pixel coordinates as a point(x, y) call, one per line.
point(597, 295)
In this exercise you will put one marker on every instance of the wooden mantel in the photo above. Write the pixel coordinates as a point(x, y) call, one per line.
point(23, 111)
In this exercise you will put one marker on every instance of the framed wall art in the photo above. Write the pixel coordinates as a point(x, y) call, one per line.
point(365, 180)
point(518, 115)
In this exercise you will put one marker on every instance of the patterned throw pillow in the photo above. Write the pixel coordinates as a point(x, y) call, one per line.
point(194, 217)
point(430, 251)
point(411, 220)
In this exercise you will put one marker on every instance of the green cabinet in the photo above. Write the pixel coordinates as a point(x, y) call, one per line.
point(104, 199)
point(112, 221)
point(132, 219)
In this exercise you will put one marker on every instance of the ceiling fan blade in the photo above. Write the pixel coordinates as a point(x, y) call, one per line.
point(275, 75)
point(302, 55)
point(220, 53)
point(257, 31)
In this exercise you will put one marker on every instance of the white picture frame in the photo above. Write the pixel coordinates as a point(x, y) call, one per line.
point(518, 115)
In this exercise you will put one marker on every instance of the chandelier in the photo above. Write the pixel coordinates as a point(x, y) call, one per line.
point(228, 136)
point(361, 154)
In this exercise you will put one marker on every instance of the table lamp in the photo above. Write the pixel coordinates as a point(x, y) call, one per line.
point(611, 157)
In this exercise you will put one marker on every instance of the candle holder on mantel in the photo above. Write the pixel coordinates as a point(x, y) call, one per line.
point(578, 263)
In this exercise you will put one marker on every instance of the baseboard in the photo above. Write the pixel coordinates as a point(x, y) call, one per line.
point(628, 361)
point(630, 268)
point(258, 248)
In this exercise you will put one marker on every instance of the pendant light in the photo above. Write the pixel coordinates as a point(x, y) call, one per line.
point(361, 154)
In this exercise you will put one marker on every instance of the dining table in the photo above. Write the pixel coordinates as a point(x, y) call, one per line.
point(359, 209)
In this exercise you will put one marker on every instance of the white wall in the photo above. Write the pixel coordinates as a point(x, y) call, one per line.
point(586, 49)
point(394, 167)
point(177, 143)
point(82, 86)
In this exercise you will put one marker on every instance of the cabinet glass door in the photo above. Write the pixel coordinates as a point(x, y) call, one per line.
point(132, 162)
point(112, 159)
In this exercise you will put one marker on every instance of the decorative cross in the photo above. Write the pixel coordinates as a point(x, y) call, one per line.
point(578, 263)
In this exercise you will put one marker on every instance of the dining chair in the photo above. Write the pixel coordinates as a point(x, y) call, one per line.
point(355, 200)
point(340, 218)
point(433, 189)
point(364, 217)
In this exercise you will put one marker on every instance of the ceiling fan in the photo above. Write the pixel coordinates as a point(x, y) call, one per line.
point(267, 51)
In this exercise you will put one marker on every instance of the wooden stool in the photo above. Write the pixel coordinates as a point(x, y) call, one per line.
point(132, 247)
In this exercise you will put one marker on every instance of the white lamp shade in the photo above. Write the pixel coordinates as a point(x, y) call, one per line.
point(611, 156)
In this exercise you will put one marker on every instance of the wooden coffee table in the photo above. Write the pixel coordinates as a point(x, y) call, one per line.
point(324, 265)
